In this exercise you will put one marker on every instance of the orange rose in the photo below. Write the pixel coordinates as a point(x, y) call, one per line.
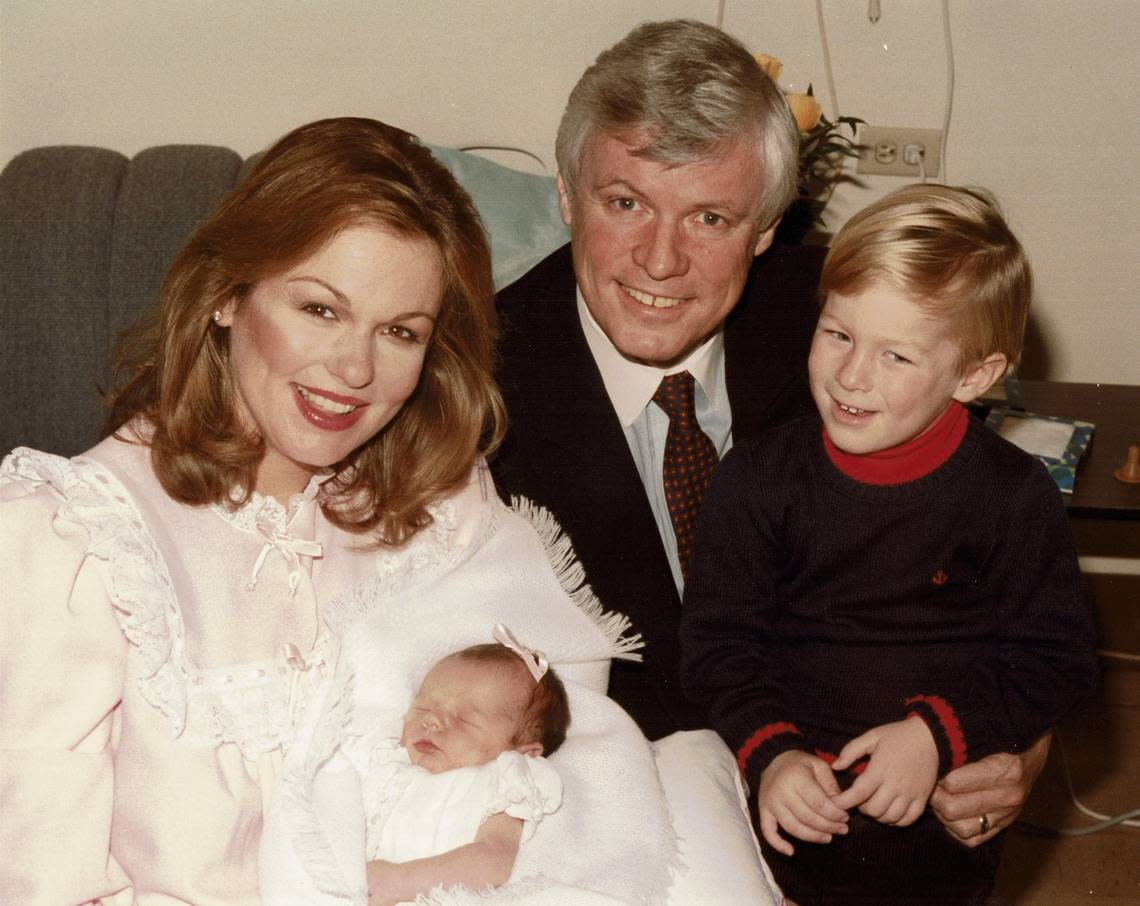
point(805, 109)
point(770, 65)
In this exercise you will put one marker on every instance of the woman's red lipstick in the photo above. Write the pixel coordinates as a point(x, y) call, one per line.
point(322, 418)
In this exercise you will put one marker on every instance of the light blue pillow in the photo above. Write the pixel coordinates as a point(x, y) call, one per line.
point(519, 210)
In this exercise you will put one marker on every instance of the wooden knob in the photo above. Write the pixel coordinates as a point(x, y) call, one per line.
point(1129, 472)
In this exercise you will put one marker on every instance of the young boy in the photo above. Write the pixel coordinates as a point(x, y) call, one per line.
point(882, 597)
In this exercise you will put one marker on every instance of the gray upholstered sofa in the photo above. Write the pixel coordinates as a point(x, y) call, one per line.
point(86, 235)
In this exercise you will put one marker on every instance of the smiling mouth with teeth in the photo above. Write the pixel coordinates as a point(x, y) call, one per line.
point(650, 300)
point(325, 404)
point(851, 410)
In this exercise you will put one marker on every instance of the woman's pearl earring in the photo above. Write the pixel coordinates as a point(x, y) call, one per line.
point(217, 316)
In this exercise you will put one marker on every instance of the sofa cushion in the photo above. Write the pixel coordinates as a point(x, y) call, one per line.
point(86, 237)
point(57, 206)
point(519, 211)
point(166, 193)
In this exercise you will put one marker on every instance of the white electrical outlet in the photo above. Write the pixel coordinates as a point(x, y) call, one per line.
point(895, 151)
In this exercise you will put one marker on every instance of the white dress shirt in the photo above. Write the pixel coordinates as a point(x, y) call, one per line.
point(631, 385)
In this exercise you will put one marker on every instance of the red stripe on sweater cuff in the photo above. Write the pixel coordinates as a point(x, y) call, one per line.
point(830, 758)
point(760, 737)
point(945, 713)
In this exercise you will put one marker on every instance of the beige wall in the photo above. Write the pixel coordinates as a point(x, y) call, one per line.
point(1046, 114)
point(1045, 111)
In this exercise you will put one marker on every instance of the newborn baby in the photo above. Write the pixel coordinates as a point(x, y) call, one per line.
point(449, 802)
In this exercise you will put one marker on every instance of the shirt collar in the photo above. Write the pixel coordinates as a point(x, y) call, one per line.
point(631, 385)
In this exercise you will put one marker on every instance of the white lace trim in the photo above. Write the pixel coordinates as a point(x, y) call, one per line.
point(253, 706)
point(525, 787)
point(262, 510)
point(250, 705)
point(141, 589)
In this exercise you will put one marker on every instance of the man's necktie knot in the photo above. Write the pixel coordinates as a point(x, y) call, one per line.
point(690, 459)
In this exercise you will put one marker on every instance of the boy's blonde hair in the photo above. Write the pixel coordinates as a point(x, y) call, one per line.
point(952, 250)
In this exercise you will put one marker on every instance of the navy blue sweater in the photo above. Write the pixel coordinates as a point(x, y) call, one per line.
point(818, 607)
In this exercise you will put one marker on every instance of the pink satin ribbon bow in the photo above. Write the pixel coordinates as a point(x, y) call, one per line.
point(535, 661)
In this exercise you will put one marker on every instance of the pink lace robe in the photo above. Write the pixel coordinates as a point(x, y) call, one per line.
point(153, 660)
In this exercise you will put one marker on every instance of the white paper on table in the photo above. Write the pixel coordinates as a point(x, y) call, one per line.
point(1039, 436)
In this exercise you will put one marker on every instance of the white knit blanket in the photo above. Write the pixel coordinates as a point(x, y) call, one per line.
point(613, 839)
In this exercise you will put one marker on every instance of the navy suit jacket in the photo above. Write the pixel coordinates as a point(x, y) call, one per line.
point(566, 450)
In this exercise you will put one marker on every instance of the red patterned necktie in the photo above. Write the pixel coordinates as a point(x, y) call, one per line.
point(690, 459)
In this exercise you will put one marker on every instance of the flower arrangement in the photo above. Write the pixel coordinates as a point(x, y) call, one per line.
point(822, 144)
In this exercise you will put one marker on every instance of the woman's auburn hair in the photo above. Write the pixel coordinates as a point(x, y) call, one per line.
point(313, 183)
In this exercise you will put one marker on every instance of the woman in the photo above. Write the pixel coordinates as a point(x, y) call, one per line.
point(316, 382)
point(289, 523)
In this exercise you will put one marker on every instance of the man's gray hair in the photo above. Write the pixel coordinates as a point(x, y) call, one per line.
point(693, 90)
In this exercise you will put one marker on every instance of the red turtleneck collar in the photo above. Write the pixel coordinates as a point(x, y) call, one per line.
point(910, 460)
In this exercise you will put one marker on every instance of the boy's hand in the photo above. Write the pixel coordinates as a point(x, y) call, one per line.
point(796, 792)
point(900, 776)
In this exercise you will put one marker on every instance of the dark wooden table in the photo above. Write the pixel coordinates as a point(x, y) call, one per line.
point(1115, 410)
point(1104, 513)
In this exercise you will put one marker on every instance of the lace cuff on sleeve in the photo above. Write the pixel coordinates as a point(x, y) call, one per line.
point(528, 788)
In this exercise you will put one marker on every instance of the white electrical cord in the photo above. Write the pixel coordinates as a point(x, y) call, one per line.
point(949, 91)
point(874, 11)
point(827, 60)
point(1128, 819)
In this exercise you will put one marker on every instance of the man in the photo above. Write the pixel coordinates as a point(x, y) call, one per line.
point(676, 158)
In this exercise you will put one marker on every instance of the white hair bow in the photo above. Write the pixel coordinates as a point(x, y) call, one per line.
point(535, 661)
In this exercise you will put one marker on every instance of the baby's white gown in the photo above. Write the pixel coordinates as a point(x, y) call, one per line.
point(413, 814)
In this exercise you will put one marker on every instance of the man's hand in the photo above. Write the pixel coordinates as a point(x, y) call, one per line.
point(996, 787)
point(900, 776)
point(796, 792)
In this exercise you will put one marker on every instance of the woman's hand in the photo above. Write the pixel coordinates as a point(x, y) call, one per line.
point(898, 780)
point(996, 787)
point(796, 793)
